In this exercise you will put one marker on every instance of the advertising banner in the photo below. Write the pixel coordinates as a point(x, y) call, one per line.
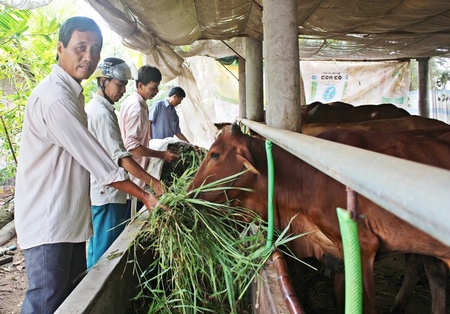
point(356, 83)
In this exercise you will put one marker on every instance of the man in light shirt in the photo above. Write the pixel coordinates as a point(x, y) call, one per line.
point(57, 156)
point(133, 121)
point(109, 208)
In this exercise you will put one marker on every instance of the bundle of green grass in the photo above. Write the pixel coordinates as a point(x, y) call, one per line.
point(204, 256)
point(190, 157)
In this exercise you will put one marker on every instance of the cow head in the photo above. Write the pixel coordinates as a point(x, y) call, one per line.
point(229, 155)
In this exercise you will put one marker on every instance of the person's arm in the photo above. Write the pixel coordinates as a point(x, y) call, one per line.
point(143, 151)
point(91, 155)
point(181, 137)
point(150, 201)
point(130, 165)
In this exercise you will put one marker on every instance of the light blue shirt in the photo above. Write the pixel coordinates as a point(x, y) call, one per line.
point(165, 120)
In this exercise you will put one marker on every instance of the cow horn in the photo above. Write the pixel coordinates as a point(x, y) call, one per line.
point(313, 110)
point(235, 128)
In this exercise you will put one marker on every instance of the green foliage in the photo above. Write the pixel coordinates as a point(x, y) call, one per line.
point(189, 157)
point(440, 72)
point(28, 49)
point(28, 40)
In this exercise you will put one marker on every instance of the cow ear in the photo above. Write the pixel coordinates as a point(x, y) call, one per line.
point(248, 164)
point(313, 110)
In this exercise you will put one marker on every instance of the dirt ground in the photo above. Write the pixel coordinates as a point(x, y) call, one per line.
point(319, 294)
point(13, 282)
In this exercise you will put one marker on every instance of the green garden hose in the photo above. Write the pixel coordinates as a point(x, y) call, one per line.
point(352, 262)
point(270, 193)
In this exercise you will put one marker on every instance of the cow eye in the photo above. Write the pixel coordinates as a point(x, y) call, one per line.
point(215, 155)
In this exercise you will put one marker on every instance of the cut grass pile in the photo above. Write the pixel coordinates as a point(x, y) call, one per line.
point(204, 255)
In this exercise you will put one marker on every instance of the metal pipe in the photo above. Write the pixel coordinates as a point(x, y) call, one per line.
point(351, 204)
point(415, 192)
point(284, 281)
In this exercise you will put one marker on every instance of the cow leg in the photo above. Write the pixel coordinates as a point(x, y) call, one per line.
point(369, 245)
point(436, 272)
point(411, 275)
point(369, 294)
point(336, 265)
point(339, 291)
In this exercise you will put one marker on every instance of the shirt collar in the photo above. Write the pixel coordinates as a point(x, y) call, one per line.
point(102, 100)
point(141, 100)
point(166, 103)
point(70, 81)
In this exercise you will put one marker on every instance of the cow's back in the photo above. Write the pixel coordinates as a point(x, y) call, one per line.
point(382, 125)
point(403, 144)
point(325, 113)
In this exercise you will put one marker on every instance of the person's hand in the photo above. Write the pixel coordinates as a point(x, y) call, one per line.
point(169, 156)
point(151, 201)
point(158, 187)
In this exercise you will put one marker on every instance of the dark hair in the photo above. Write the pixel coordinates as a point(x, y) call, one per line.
point(81, 24)
point(147, 74)
point(177, 90)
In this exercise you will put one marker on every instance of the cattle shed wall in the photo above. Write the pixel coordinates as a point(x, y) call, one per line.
point(111, 284)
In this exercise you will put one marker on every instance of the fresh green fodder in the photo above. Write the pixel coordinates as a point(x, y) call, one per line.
point(204, 255)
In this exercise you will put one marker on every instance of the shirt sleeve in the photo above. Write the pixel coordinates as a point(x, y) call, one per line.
point(66, 129)
point(153, 114)
point(106, 129)
point(135, 128)
point(177, 124)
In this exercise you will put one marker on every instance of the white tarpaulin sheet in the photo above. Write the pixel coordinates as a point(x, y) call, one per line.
point(155, 165)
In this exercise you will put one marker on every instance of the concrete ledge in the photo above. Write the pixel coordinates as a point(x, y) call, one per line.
point(266, 294)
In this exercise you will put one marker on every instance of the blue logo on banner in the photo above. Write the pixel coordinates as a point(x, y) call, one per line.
point(329, 93)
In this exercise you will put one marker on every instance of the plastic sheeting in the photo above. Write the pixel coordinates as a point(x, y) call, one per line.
point(332, 29)
point(211, 97)
point(25, 4)
point(167, 30)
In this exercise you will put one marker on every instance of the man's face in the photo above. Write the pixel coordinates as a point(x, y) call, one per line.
point(115, 89)
point(177, 100)
point(81, 56)
point(148, 91)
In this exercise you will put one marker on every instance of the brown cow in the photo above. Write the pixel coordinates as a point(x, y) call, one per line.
point(414, 145)
point(436, 272)
point(324, 113)
point(383, 125)
point(304, 191)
